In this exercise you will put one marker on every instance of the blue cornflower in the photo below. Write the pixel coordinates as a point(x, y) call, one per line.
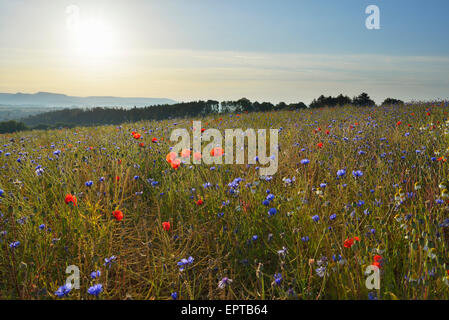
point(272, 212)
point(95, 290)
point(341, 173)
point(255, 237)
point(357, 173)
point(266, 202)
point(42, 227)
point(305, 239)
point(63, 290)
point(185, 262)
point(89, 183)
point(95, 274)
point(333, 216)
point(174, 295)
point(270, 197)
point(14, 244)
point(316, 218)
point(277, 278)
point(372, 296)
point(109, 261)
point(305, 161)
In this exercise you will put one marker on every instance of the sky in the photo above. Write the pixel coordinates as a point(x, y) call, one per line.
point(264, 50)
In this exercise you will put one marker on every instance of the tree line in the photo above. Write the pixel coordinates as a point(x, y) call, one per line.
point(102, 115)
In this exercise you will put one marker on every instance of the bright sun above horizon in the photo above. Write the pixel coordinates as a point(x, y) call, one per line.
point(89, 38)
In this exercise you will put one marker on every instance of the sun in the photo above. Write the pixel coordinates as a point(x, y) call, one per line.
point(92, 39)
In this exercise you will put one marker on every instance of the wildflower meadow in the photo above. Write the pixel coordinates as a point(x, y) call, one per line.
point(355, 187)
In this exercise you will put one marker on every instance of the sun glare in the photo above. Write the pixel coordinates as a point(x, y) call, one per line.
point(93, 39)
point(89, 38)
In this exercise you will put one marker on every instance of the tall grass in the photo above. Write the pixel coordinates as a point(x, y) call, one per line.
point(409, 234)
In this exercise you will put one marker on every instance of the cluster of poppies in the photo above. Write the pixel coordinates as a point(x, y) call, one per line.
point(350, 242)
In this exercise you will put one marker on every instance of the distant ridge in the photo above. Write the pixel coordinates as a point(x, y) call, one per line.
point(58, 100)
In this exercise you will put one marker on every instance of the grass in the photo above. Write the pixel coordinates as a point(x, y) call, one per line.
point(409, 234)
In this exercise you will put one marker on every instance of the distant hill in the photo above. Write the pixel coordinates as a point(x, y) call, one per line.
point(57, 100)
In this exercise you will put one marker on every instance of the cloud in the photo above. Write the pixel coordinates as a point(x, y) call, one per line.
point(189, 74)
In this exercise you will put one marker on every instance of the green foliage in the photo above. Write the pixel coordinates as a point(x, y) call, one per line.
point(12, 126)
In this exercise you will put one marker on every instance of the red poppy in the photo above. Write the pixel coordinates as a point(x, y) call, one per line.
point(170, 157)
point(137, 136)
point(185, 153)
point(154, 140)
point(200, 202)
point(166, 225)
point(142, 144)
point(350, 242)
point(377, 264)
point(70, 199)
point(117, 178)
point(320, 145)
point(399, 123)
point(175, 163)
point(118, 215)
point(197, 156)
point(327, 132)
point(377, 258)
point(217, 151)
point(202, 129)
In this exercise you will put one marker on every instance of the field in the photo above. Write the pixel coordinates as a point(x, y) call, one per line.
point(373, 191)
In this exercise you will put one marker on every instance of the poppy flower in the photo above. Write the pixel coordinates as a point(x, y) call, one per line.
point(185, 153)
point(175, 163)
point(377, 264)
point(154, 140)
point(142, 144)
point(137, 136)
point(217, 151)
point(118, 215)
point(320, 145)
point(171, 156)
point(197, 156)
point(70, 199)
point(117, 178)
point(399, 123)
point(377, 258)
point(348, 243)
point(202, 129)
point(166, 225)
point(199, 202)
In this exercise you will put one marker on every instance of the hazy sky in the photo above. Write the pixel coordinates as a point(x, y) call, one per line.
point(208, 49)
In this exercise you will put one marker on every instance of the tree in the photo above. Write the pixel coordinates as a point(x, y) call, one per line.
point(363, 100)
point(392, 102)
point(12, 126)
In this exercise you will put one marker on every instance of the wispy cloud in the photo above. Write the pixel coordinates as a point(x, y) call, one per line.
point(190, 74)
